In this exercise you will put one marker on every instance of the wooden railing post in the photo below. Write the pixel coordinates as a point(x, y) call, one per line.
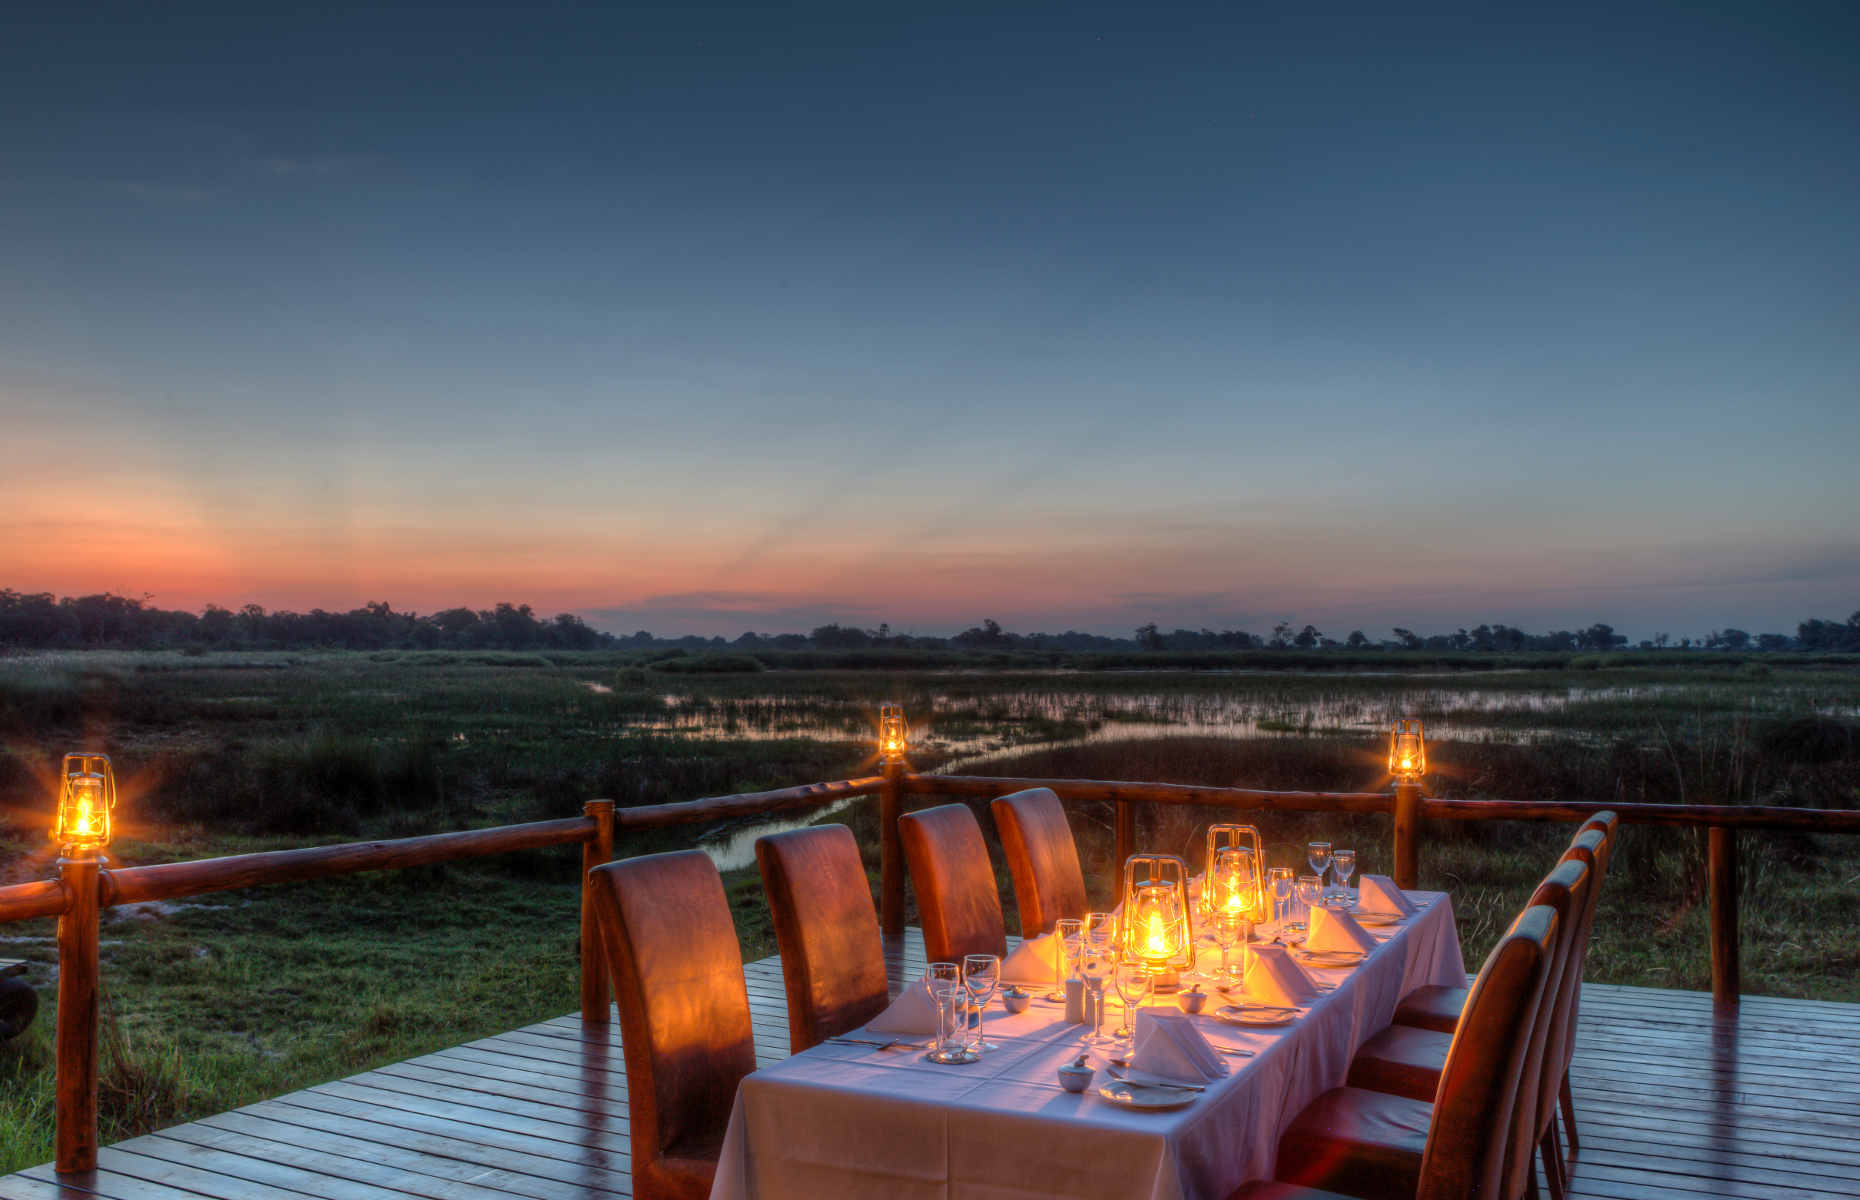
point(76, 1091)
point(595, 851)
point(891, 850)
point(1725, 982)
point(1407, 834)
point(1124, 841)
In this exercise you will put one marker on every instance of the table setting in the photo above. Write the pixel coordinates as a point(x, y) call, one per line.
point(1121, 1055)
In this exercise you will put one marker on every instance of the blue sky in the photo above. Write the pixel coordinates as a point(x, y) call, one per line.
point(709, 319)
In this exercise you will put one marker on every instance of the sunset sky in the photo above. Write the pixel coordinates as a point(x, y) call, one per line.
point(707, 319)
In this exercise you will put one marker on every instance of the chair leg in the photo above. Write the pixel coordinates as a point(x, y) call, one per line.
point(1569, 1116)
point(1553, 1170)
point(1531, 1192)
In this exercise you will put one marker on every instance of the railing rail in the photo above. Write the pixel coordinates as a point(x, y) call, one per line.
point(86, 886)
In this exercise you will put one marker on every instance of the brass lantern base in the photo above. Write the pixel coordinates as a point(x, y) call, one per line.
point(1165, 980)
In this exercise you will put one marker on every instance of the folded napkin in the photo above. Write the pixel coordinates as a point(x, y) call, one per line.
point(1273, 978)
point(912, 1012)
point(1378, 894)
point(1169, 1046)
point(1036, 960)
point(1334, 929)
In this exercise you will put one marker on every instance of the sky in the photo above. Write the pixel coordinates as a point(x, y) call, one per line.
point(709, 319)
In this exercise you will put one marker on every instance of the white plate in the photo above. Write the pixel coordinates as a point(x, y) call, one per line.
point(1125, 1094)
point(1376, 918)
point(1256, 1016)
point(1329, 958)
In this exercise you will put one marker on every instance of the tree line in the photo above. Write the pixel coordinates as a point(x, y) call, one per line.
point(41, 620)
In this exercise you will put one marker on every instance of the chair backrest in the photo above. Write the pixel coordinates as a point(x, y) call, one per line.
point(1466, 1138)
point(1594, 844)
point(684, 1011)
point(1043, 858)
point(958, 902)
point(832, 960)
point(1565, 890)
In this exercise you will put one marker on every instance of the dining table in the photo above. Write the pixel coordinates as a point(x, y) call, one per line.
point(856, 1118)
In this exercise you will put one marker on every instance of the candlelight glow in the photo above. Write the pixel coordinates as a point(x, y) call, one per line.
point(893, 734)
point(85, 800)
point(1407, 751)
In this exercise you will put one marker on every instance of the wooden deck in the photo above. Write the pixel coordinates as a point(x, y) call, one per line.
point(1671, 1105)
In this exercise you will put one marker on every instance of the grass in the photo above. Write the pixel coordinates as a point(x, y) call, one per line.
point(219, 1002)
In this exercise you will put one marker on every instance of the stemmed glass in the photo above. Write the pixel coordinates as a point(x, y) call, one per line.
point(1097, 951)
point(981, 974)
point(1066, 933)
point(943, 980)
point(1318, 855)
point(1133, 988)
point(1279, 887)
point(1342, 866)
point(1229, 927)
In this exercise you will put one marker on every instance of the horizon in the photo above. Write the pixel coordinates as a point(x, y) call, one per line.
point(710, 320)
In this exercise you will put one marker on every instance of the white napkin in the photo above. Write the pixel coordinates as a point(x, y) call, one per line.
point(1169, 1046)
point(1334, 929)
point(1035, 960)
point(912, 1012)
point(1273, 978)
point(1378, 894)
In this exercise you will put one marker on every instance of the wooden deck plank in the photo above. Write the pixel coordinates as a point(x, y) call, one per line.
point(1673, 1103)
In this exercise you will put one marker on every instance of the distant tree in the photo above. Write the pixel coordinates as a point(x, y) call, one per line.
point(1357, 640)
point(1281, 635)
point(1307, 638)
point(1602, 637)
point(989, 636)
point(1149, 637)
point(840, 637)
point(1661, 639)
point(1773, 641)
point(1408, 638)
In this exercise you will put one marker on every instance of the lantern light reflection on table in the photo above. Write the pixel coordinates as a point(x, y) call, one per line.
point(86, 799)
point(1407, 751)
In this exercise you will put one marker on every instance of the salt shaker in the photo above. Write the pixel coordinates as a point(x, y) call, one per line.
point(1075, 1001)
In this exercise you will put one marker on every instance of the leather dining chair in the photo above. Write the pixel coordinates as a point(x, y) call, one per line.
point(1374, 1146)
point(684, 1014)
point(1407, 1061)
point(1042, 857)
point(832, 959)
point(958, 902)
point(1438, 1007)
point(1597, 851)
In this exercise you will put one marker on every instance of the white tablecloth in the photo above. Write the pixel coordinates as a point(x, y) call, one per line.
point(854, 1121)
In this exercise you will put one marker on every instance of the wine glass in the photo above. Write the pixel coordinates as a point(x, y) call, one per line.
point(1133, 988)
point(1318, 855)
point(1342, 866)
point(1279, 887)
point(1066, 931)
point(1229, 928)
point(939, 975)
point(981, 974)
point(952, 1022)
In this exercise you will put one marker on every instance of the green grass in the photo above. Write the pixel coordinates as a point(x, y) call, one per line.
point(229, 999)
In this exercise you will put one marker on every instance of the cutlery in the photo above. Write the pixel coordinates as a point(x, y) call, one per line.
point(1180, 1087)
point(885, 1045)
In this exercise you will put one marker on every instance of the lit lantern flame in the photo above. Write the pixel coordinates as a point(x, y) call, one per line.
point(86, 799)
point(1231, 881)
point(1407, 751)
point(1156, 924)
point(893, 734)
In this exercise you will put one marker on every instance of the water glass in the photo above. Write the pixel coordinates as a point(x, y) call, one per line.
point(1066, 934)
point(1342, 866)
point(1229, 928)
point(952, 1025)
point(1097, 958)
point(981, 974)
point(940, 975)
point(1310, 896)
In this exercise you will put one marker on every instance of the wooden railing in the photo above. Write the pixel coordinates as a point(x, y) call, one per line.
point(86, 885)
